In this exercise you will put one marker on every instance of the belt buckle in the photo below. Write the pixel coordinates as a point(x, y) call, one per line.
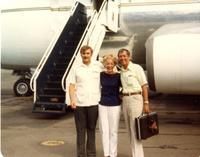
point(129, 93)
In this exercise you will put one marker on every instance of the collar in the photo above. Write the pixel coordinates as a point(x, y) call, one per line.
point(85, 65)
point(130, 65)
point(89, 65)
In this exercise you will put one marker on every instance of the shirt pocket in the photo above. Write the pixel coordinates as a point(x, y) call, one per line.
point(131, 78)
point(81, 96)
point(95, 74)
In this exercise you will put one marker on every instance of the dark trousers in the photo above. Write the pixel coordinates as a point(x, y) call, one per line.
point(86, 119)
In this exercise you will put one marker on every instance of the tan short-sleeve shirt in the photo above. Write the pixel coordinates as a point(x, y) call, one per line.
point(133, 78)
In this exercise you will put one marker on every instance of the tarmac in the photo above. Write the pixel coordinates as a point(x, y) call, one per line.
point(26, 134)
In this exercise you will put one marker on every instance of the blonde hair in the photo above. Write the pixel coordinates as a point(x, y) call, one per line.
point(110, 56)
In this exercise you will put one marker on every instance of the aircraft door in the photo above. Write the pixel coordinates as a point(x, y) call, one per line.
point(110, 14)
point(97, 4)
point(113, 16)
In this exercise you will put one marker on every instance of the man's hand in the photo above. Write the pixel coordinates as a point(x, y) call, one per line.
point(146, 108)
point(72, 96)
point(73, 105)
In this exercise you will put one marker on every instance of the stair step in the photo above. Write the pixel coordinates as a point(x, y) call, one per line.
point(79, 32)
point(50, 91)
point(82, 26)
point(70, 42)
point(59, 65)
point(53, 111)
point(59, 71)
point(79, 22)
point(39, 103)
point(77, 36)
point(82, 12)
point(62, 59)
point(69, 47)
point(54, 78)
point(48, 107)
point(53, 84)
point(54, 89)
point(51, 98)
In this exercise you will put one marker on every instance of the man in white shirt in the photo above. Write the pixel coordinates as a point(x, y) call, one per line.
point(84, 91)
point(135, 97)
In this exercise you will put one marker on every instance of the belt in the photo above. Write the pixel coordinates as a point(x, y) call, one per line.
point(129, 94)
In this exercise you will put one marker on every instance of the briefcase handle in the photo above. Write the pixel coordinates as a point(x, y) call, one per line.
point(153, 126)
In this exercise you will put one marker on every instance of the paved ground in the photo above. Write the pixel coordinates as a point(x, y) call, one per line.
point(23, 132)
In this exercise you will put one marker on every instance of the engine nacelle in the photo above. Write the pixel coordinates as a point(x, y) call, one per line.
point(173, 59)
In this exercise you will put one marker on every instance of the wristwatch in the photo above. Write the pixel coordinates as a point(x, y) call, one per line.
point(146, 102)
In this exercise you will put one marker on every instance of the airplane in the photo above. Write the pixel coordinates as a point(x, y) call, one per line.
point(28, 27)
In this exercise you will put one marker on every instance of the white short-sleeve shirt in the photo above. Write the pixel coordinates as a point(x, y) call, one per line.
point(133, 78)
point(87, 82)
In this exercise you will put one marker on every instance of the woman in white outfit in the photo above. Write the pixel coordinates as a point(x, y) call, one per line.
point(109, 106)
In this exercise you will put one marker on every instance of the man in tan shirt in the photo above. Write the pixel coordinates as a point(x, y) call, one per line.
point(135, 97)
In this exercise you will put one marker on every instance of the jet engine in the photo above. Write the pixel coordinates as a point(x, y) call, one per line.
point(173, 59)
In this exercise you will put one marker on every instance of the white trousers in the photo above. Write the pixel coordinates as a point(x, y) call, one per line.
point(109, 117)
point(132, 108)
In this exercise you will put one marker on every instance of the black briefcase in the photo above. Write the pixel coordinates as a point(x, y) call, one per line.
point(147, 125)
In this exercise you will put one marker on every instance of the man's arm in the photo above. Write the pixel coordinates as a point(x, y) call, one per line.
point(145, 98)
point(72, 95)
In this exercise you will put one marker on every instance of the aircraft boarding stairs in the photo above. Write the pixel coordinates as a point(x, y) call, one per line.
point(50, 79)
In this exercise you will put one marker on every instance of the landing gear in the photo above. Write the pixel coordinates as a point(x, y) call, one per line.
point(22, 85)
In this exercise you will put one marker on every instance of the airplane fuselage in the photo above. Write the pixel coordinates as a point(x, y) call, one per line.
point(27, 31)
point(28, 27)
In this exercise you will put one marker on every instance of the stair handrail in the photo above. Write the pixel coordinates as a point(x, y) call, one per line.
point(87, 31)
point(90, 30)
point(100, 34)
point(48, 51)
point(102, 7)
point(40, 65)
point(98, 16)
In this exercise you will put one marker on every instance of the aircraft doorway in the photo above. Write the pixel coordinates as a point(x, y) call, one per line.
point(97, 4)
